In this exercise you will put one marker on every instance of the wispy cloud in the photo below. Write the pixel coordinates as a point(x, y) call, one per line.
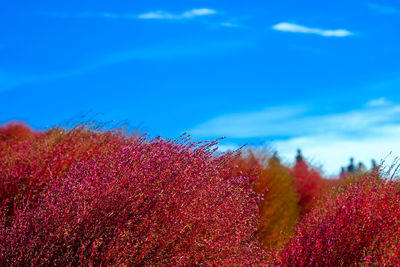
point(103, 15)
point(229, 24)
point(249, 125)
point(190, 14)
point(332, 151)
point(371, 131)
point(295, 28)
point(167, 51)
point(171, 16)
point(296, 121)
point(387, 10)
point(379, 102)
point(222, 21)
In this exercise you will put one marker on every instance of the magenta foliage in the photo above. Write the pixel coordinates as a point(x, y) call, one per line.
point(352, 228)
point(310, 186)
point(148, 203)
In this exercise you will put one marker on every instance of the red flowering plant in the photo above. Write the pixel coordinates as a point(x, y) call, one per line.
point(310, 185)
point(357, 225)
point(136, 202)
point(30, 162)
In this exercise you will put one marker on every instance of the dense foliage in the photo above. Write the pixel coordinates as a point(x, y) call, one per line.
point(279, 208)
point(358, 225)
point(310, 186)
point(89, 197)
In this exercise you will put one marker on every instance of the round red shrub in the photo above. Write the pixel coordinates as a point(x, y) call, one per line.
point(14, 130)
point(356, 226)
point(143, 203)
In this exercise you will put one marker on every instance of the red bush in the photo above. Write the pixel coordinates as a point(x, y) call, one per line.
point(15, 130)
point(357, 226)
point(310, 186)
point(107, 200)
point(28, 165)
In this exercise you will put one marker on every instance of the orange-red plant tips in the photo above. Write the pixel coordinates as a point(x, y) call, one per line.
point(279, 208)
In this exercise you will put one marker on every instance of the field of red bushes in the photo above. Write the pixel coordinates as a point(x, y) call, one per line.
point(103, 198)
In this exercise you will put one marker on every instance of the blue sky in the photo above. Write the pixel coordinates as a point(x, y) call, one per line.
point(323, 76)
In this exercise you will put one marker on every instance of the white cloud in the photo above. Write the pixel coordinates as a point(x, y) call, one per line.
point(333, 151)
point(157, 15)
point(292, 121)
point(228, 24)
point(329, 139)
point(378, 102)
point(199, 12)
point(248, 125)
point(185, 15)
point(382, 9)
point(150, 15)
point(105, 15)
point(290, 27)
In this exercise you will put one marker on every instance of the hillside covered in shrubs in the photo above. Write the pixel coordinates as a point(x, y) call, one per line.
point(89, 197)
